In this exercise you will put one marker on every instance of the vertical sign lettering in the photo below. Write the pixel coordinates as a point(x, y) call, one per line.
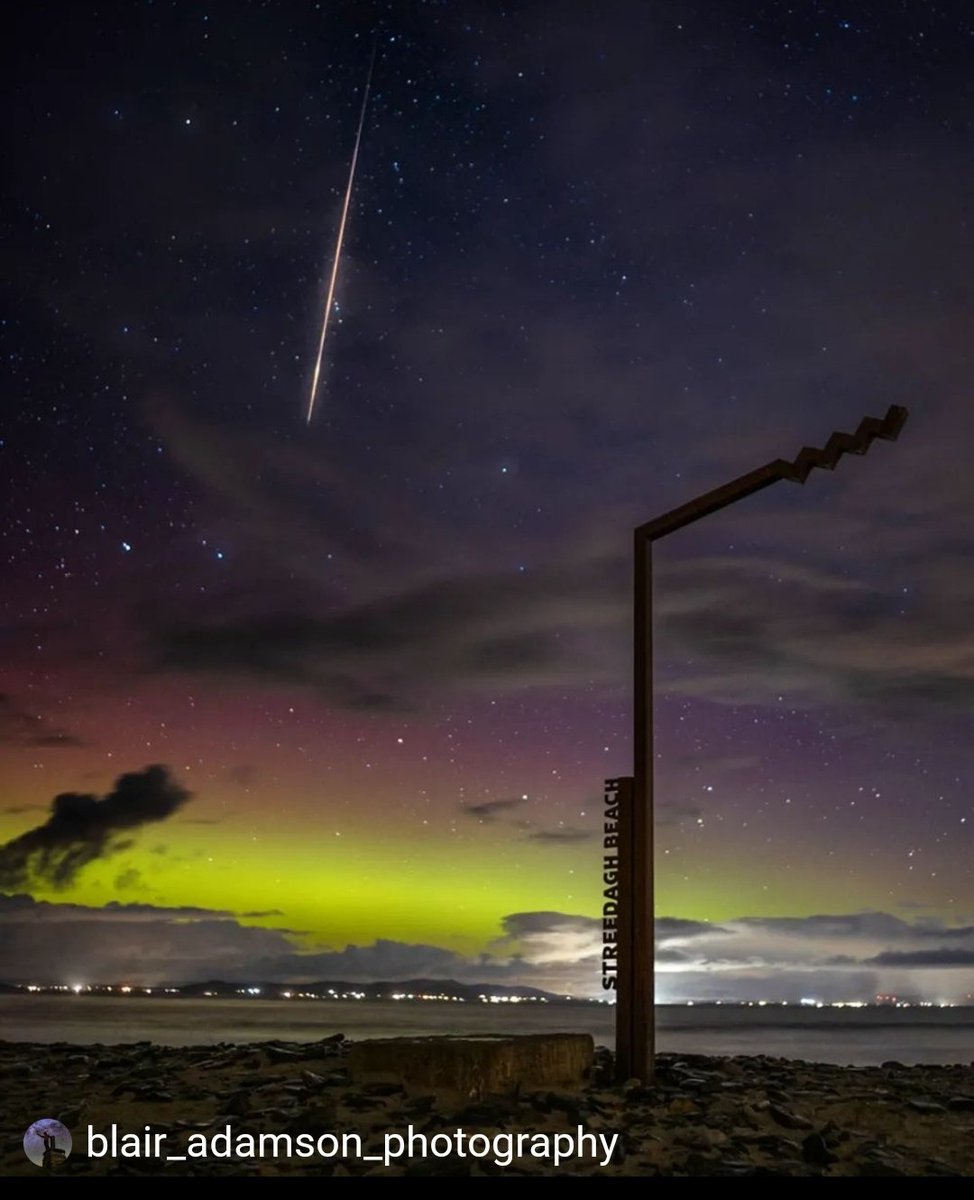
point(610, 886)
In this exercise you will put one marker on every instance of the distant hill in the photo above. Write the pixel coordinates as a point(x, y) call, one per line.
point(383, 990)
point(327, 989)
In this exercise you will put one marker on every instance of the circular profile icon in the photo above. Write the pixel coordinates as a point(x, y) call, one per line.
point(47, 1143)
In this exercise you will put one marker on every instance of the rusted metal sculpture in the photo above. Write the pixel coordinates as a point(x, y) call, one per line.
point(636, 995)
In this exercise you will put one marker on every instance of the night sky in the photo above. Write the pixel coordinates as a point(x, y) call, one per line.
point(600, 258)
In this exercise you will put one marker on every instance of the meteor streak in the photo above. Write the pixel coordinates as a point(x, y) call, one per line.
point(338, 243)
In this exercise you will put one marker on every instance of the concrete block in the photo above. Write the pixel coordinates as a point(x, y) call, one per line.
point(476, 1066)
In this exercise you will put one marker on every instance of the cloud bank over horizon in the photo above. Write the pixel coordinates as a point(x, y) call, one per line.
point(829, 957)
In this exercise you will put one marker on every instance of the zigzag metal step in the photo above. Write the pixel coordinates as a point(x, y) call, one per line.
point(870, 428)
point(797, 471)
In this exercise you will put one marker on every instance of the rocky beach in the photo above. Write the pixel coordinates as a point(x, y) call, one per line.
point(719, 1116)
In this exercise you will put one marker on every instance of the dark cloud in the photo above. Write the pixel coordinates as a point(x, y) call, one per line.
point(485, 632)
point(744, 629)
point(667, 928)
point(672, 955)
point(42, 942)
point(83, 828)
point(837, 926)
point(143, 943)
point(136, 943)
point(18, 727)
point(382, 959)
point(670, 815)
point(935, 929)
point(19, 906)
point(489, 810)
point(945, 956)
point(756, 628)
point(670, 928)
point(524, 924)
point(129, 880)
point(560, 836)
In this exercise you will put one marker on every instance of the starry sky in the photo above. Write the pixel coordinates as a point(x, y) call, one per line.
point(339, 698)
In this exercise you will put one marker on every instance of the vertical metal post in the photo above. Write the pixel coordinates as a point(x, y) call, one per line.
point(642, 989)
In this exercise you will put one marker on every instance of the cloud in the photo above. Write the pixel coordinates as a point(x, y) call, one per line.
point(945, 956)
point(532, 924)
point(671, 929)
point(82, 828)
point(42, 942)
point(129, 880)
point(850, 956)
point(484, 632)
point(758, 627)
point(672, 814)
point(18, 727)
point(742, 629)
point(827, 956)
point(20, 907)
point(136, 943)
point(561, 836)
point(489, 810)
point(836, 926)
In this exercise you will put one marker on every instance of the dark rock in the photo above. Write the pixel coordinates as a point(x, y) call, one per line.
point(787, 1119)
point(816, 1152)
point(72, 1116)
point(882, 1166)
point(701, 1138)
point(280, 1054)
point(359, 1103)
point(927, 1107)
point(833, 1135)
point(486, 1112)
point(775, 1145)
point(572, 1106)
point(961, 1104)
point(237, 1104)
point(318, 1119)
point(381, 1088)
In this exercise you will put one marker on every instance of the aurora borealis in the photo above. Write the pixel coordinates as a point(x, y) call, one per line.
point(598, 260)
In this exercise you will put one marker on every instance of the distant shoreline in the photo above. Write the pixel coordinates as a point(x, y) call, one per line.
point(860, 1036)
point(407, 992)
